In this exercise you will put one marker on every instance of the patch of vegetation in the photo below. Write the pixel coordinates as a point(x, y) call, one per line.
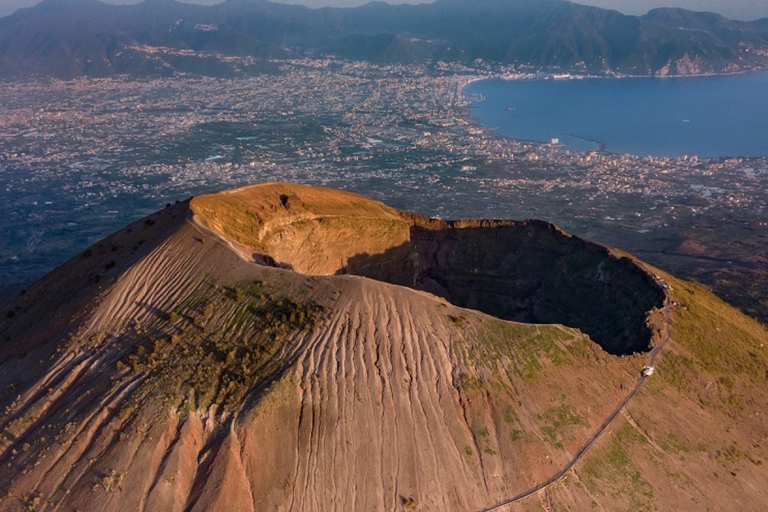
point(612, 471)
point(33, 502)
point(467, 383)
point(579, 346)
point(111, 481)
point(511, 418)
point(531, 348)
point(723, 341)
point(671, 443)
point(713, 342)
point(678, 370)
point(218, 345)
point(731, 453)
point(557, 420)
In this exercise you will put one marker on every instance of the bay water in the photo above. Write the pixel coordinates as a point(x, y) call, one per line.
point(714, 116)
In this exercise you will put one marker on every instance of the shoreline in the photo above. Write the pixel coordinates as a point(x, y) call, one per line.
point(464, 81)
point(550, 76)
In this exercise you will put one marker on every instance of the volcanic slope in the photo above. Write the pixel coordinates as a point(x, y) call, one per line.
point(221, 355)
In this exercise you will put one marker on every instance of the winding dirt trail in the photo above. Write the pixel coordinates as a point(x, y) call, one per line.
point(607, 423)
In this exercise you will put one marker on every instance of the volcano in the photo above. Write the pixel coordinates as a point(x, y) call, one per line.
point(285, 347)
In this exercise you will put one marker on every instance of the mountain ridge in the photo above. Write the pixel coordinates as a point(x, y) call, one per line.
point(104, 40)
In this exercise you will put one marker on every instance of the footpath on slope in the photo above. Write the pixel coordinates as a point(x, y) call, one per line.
point(607, 423)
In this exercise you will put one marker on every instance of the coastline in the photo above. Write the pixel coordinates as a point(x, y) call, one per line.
point(470, 121)
point(755, 152)
point(549, 76)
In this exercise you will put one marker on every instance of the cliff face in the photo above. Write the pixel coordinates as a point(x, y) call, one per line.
point(533, 272)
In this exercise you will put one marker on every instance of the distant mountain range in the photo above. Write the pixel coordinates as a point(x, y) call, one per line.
point(70, 38)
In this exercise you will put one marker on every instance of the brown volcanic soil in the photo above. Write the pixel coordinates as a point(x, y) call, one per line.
point(163, 370)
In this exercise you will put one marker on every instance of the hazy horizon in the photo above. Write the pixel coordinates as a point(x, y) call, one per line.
point(734, 9)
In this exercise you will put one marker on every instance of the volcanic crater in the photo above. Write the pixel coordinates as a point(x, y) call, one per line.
point(526, 271)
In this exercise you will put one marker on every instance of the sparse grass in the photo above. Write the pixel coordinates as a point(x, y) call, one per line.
point(467, 383)
point(670, 443)
point(713, 343)
point(531, 348)
point(226, 342)
point(611, 471)
point(510, 416)
point(557, 420)
point(723, 341)
point(731, 453)
point(678, 370)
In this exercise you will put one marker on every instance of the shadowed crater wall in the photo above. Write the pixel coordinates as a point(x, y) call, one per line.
point(534, 272)
point(527, 271)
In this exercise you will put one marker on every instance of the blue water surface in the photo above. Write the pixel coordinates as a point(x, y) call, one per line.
point(704, 116)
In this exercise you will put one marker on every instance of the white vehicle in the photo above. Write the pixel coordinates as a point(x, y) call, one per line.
point(647, 371)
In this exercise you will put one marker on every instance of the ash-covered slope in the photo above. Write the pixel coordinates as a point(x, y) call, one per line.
point(162, 369)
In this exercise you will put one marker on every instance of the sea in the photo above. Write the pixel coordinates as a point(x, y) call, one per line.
point(714, 116)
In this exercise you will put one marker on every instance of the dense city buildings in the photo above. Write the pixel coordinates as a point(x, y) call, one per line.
point(81, 158)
